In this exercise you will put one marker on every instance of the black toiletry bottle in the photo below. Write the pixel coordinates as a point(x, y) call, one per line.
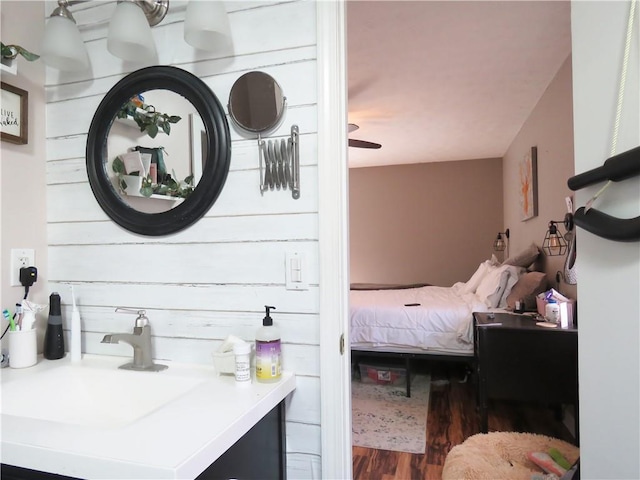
point(53, 337)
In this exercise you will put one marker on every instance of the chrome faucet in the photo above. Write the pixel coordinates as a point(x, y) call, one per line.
point(140, 340)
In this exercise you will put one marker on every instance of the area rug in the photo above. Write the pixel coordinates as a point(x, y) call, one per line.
point(384, 418)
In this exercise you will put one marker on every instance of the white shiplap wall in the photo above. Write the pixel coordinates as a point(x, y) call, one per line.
point(213, 279)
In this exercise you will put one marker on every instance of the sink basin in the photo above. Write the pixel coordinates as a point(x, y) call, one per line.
point(89, 396)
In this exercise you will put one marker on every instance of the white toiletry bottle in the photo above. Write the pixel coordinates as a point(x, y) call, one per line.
point(268, 352)
point(552, 311)
point(242, 353)
point(76, 331)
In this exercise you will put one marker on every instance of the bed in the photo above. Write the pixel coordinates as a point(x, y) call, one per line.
point(433, 321)
point(427, 319)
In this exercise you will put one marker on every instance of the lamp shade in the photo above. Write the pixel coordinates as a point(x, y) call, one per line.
point(62, 45)
point(206, 26)
point(554, 243)
point(501, 243)
point(130, 35)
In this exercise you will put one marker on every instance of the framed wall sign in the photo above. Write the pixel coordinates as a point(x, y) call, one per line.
point(14, 114)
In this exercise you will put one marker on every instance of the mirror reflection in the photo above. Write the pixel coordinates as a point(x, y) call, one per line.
point(256, 102)
point(196, 145)
point(156, 150)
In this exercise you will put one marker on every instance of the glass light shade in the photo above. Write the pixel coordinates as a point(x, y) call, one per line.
point(554, 243)
point(206, 26)
point(498, 244)
point(62, 45)
point(130, 35)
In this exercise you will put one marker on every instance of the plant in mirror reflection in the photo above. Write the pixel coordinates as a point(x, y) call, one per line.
point(118, 167)
point(169, 186)
point(146, 117)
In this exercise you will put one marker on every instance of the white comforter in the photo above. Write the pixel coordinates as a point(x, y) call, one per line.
point(442, 323)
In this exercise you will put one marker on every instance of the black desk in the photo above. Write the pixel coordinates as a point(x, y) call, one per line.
point(518, 360)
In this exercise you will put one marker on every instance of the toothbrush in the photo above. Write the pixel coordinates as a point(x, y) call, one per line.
point(12, 325)
point(76, 331)
point(19, 314)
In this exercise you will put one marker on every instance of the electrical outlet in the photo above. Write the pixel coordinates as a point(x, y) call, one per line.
point(21, 257)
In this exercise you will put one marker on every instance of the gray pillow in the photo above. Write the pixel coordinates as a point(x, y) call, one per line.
point(526, 288)
point(524, 258)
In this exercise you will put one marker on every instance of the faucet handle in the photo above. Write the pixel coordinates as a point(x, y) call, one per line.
point(141, 319)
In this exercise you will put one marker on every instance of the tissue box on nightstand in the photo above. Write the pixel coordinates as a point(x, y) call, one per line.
point(569, 321)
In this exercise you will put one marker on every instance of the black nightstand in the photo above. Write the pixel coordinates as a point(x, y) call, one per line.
point(519, 360)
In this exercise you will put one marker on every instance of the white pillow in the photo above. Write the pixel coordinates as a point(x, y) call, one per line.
point(513, 275)
point(476, 278)
point(492, 286)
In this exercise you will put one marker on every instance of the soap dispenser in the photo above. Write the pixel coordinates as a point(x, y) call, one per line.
point(268, 351)
point(53, 337)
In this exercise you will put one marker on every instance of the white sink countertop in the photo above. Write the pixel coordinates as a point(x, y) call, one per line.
point(92, 420)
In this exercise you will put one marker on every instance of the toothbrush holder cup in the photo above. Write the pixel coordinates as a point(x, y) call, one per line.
point(23, 351)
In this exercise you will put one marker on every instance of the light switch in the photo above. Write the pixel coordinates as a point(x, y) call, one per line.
point(294, 271)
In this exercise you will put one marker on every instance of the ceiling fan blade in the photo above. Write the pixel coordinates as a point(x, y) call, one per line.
point(363, 144)
point(352, 127)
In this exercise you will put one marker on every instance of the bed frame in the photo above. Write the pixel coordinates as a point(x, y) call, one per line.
point(407, 357)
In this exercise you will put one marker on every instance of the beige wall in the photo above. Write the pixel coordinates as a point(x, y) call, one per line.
point(23, 167)
point(430, 222)
point(550, 128)
point(435, 222)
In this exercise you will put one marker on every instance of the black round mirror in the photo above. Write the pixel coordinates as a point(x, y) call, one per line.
point(256, 102)
point(178, 193)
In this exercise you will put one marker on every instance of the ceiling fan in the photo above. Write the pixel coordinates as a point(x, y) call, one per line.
point(360, 143)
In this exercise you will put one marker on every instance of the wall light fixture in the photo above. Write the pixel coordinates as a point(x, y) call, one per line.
point(554, 243)
point(206, 25)
point(129, 36)
point(62, 45)
point(501, 243)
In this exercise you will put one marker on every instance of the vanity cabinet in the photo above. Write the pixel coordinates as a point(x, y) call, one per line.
point(259, 454)
point(9, 472)
point(211, 428)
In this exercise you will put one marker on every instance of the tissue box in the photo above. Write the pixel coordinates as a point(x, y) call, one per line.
point(541, 303)
point(224, 359)
point(224, 362)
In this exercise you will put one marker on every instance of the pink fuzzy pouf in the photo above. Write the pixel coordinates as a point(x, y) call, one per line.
point(501, 456)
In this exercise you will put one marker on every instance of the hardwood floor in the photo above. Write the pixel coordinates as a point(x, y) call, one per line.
point(452, 418)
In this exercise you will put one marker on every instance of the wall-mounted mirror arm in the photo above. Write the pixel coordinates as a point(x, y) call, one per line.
point(257, 106)
point(295, 148)
point(280, 164)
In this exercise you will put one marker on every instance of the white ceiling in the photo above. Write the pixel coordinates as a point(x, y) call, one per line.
point(448, 80)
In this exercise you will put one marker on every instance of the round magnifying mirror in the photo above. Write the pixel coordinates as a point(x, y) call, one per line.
point(191, 151)
point(256, 102)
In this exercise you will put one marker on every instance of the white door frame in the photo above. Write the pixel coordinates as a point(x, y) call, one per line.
point(333, 179)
